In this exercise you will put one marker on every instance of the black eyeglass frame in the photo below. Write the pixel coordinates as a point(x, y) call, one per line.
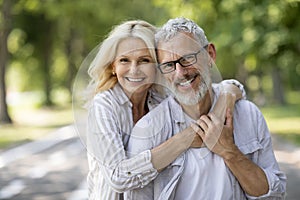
point(180, 59)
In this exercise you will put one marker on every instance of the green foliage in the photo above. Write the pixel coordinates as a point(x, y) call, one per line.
point(254, 39)
point(51, 38)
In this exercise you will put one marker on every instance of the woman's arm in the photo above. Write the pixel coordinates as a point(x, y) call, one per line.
point(161, 156)
point(167, 152)
point(123, 173)
point(229, 91)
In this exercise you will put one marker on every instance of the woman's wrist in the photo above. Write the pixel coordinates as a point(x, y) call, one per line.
point(185, 138)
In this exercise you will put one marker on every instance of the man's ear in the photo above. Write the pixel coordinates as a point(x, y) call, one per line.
point(212, 51)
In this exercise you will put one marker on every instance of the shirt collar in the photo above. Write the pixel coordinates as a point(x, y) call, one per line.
point(119, 94)
point(176, 110)
point(153, 99)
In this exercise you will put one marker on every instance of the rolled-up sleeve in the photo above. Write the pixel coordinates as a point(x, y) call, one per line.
point(266, 160)
point(132, 173)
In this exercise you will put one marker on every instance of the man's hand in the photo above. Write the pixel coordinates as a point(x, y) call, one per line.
point(216, 135)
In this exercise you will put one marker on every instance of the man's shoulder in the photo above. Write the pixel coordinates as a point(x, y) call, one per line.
point(246, 112)
point(247, 107)
point(249, 126)
point(162, 108)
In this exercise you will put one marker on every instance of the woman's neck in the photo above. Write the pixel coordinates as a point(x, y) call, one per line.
point(139, 106)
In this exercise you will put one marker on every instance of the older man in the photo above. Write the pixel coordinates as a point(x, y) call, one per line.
point(237, 164)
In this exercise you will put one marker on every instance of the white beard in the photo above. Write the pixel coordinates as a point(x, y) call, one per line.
point(192, 97)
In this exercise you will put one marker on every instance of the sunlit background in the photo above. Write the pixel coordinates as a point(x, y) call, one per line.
point(44, 42)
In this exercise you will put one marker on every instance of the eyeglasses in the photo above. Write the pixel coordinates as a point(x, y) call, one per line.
point(184, 61)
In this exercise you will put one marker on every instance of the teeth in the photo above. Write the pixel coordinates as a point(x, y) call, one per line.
point(135, 79)
point(186, 83)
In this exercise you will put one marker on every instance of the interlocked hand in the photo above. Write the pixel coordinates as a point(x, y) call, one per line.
point(217, 136)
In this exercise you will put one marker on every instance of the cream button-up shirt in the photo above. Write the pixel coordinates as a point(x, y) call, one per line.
point(251, 135)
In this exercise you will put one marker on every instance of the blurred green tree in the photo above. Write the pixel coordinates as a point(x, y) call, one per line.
point(257, 41)
point(5, 28)
point(60, 33)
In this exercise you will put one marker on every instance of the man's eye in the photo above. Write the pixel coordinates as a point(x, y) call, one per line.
point(168, 65)
point(187, 59)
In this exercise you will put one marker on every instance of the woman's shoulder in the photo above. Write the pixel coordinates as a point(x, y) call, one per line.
point(115, 94)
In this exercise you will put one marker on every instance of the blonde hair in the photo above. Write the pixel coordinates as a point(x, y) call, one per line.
point(101, 70)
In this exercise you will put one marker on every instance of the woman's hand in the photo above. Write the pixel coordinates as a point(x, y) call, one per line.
point(197, 142)
point(193, 137)
point(232, 89)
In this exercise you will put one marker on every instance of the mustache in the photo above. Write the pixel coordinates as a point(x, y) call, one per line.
point(186, 77)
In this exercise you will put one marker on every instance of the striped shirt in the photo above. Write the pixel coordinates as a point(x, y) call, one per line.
point(110, 123)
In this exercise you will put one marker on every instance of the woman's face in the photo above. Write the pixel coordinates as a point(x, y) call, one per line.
point(134, 66)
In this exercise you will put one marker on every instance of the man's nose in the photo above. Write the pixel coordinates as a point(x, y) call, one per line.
point(180, 70)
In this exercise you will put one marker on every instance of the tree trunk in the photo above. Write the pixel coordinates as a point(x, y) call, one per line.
point(278, 92)
point(71, 52)
point(4, 32)
point(46, 50)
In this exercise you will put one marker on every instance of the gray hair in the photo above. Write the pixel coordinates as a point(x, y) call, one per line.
point(180, 24)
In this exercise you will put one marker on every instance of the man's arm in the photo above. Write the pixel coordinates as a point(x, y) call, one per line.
point(251, 177)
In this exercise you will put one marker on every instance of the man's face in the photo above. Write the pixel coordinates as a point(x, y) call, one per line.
point(188, 84)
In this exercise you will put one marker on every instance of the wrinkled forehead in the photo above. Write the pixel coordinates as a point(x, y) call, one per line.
point(179, 45)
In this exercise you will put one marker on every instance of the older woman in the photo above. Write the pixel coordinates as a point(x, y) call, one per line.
point(123, 77)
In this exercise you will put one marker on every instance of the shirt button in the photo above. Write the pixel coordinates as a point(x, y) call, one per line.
point(129, 173)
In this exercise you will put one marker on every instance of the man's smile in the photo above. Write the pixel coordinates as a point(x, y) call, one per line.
point(187, 81)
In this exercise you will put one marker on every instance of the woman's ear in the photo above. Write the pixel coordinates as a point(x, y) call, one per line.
point(113, 71)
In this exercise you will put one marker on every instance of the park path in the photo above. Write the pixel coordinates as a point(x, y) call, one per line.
point(288, 156)
point(55, 167)
point(52, 168)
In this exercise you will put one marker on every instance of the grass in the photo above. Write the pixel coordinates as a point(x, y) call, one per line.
point(32, 123)
point(284, 121)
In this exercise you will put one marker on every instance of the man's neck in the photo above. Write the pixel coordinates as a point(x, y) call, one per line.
point(202, 108)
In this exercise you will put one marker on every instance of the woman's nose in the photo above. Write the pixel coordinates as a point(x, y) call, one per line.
point(133, 66)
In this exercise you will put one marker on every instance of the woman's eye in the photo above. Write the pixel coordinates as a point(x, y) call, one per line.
point(145, 60)
point(124, 60)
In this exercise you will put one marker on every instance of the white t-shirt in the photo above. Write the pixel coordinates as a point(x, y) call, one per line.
point(210, 170)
